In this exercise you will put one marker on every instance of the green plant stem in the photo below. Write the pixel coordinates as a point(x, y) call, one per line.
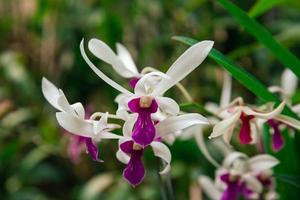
point(160, 181)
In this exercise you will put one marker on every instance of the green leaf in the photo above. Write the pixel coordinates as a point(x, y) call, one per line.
point(290, 179)
point(262, 6)
point(246, 79)
point(288, 59)
point(194, 106)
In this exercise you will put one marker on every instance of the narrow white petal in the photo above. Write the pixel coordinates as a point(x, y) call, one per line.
point(268, 115)
point(202, 146)
point(128, 126)
point(75, 125)
point(177, 123)
point(252, 183)
point(105, 53)
point(289, 82)
point(50, 92)
point(64, 104)
point(101, 74)
point(296, 108)
point(288, 121)
point(262, 162)
point(100, 124)
point(208, 186)
point(162, 151)
point(226, 90)
point(233, 156)
point(167, 105)
point(126, 58)
point(184, 65)
point(109, 135)
point(122, 157)
point(223, 126)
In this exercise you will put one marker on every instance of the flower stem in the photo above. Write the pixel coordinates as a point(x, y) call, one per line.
point(170, 187)
point(160, 181)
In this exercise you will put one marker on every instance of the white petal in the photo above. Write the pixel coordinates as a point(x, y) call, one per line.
point(202, 146)
point(225, 125)
point(128, 125)
point(100, 124)
point(105, 53)
point(268, 115)
point(167, 105)
point(126, 58)
point(209, 188)
point(177, 123)
point(226, 90)
point(233, 156)
point(64, 104)
point(289, 82)
point(252, 183)
point(50, 92)
point(109, 135)
point(75, 125)
point(162, 151)
point(288, 121)
point(101, 74)
point(184, 65)
point(262, 162)
point(122, 157)
point(79, 109)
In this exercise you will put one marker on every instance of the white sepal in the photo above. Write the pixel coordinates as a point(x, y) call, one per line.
point(162, 151)
point(50, 92)
point(262, 162)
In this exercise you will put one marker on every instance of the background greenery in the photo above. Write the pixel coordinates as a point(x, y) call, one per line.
point(41, 38)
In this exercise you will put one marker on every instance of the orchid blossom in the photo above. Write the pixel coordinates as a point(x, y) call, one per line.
point(72, 119)
point(239, 175)
point(149, 117)
point(237, 111)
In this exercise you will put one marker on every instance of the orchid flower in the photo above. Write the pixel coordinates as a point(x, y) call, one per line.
point(147, 99)
point(72, 119)
point(237, 111)
point(242, 176)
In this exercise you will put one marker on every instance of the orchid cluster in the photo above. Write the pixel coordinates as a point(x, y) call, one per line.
point(150, 118)
point(241, 176)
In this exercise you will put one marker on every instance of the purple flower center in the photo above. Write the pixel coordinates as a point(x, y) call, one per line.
point(133, 82)
point(134, 172)
point(245, 132)
point(235, 188)
point(144, 129)
point(277, 139)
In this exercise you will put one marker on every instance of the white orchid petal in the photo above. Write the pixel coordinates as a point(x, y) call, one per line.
point(79, 109)
point(162, 151)
point(184, 65)
point(105, 53)
point(276, 89)
point(269, 115)
point(64, 104)
point(296, 108)
point(126, 58)
point(289, 82)
point(75, 125)
point(168, 105)
point(262, 162)
point(202, 146)
point(177, 123)
point(50, 92)
point(288, 121)
point(252, 183)
point(233, 156)
point(101, 74)
point(122, 157)
point(148, 81)
point(128, 125)
point(223, 126)
point(100, 124)
point(109, 135)
point(226, 90)
point(208, 186)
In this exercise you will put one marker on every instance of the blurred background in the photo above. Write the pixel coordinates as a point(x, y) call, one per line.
point(41, 38)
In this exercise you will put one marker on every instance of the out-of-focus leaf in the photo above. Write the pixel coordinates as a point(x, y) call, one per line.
point(194, 106)
point(94, 187)
point(262, 6)
point(13, 119)
point(288, 178)
point(288, 59)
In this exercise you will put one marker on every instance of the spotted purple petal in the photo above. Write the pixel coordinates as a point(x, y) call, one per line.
point(126, 147)
point(144, 130)
point(92, 149)
point(277, 138)
point(245, 132)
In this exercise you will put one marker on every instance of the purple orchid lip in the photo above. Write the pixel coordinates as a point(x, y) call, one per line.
point(134, 172)
point(277, 138)
point(144, 129)
point(133, 82)
point(245, 131)
point(92, 149)
point(235, 188)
